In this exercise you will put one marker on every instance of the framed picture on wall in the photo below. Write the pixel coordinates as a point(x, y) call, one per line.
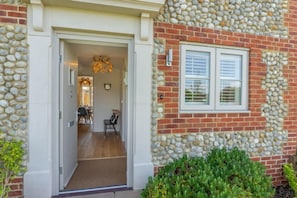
point(107, 86)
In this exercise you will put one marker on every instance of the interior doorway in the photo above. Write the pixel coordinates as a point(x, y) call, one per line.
point(100, 94)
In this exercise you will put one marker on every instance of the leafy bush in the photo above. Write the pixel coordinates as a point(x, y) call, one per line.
point(11, 158)
point(290, 174)
point(222, 174)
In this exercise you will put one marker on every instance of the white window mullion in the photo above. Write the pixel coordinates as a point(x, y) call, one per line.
point(217, 80)
point(212, 79)
point(245, 77)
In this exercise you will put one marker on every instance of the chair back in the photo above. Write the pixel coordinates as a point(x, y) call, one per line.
point(114, 118)
point(82, 111)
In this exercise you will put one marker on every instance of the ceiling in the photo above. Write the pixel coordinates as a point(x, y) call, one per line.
point(85, 53)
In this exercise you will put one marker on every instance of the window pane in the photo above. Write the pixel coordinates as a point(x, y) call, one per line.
point(197, 77)
point(197, 63)
point(230, 92)
point(197, 91)
point(230, 79)
point(230, 67)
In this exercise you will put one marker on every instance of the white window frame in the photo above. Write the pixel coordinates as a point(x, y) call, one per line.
point(214, 75)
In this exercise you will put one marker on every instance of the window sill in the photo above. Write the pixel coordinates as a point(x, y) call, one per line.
point(213, 111)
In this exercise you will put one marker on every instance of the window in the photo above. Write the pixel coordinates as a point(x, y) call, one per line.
point(213, 78)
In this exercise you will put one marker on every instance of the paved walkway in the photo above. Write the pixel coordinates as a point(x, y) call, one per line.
point(118, 194)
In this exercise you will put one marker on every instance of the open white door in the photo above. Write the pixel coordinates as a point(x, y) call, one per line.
point(68, 114)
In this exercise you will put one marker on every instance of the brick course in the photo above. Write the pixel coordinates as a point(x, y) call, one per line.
point(16, 188)
point(16, 14)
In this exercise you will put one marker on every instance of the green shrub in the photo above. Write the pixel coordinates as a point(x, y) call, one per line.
point(11, 158)
point(290, 174)
point(222, 174)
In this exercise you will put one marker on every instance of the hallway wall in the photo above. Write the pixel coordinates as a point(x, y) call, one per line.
point(106, 100)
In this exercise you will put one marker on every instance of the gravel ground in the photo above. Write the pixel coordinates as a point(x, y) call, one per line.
point(283, 192)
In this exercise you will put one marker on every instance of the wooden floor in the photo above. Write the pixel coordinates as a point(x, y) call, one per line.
point(101, 160)
point(93, 145)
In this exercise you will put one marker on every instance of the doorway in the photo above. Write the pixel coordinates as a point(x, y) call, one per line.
point(95, 151)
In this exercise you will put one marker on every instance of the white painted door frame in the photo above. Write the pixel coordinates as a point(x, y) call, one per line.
point(85, 38)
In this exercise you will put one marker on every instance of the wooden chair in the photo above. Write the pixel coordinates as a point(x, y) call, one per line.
point(111, 122)
point(82, 113)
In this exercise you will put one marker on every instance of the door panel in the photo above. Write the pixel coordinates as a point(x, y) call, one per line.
point(68, 108)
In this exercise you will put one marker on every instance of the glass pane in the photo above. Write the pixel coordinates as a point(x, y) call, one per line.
point(197, 77)
point(85, 91)
point(197, 91)
point(230, 92)
point(230, 66)
point(197, 63)
point(230, 79)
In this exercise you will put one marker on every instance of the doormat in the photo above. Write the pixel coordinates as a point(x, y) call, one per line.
point(99, 173)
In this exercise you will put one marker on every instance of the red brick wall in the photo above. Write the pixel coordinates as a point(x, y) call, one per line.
point(16, 14)
point(16, 188)
point(175, 122)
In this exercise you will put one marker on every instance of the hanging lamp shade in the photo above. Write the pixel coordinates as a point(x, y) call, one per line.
point(101, 64)
point(85, 81)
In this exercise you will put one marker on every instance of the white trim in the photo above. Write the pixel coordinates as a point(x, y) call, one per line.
point(214, 46)
point(55, 98)
point(134, 7)
point(38, 12)
point(90, 38)
point(93, 189)
point(214, 111)
point(144, 26)
point(130, 113)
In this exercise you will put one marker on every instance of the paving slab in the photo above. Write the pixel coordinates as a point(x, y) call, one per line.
point(117, 194)
point(97, 195)
point(128, 194)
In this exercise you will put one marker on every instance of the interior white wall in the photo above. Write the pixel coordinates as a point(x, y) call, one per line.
point(106, 100)
point(41, 179)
